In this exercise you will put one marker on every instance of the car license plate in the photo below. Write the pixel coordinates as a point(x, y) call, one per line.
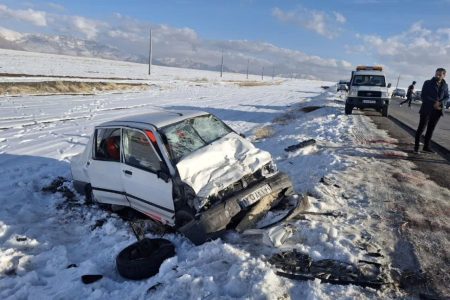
point(256, 195)
point(370, 101)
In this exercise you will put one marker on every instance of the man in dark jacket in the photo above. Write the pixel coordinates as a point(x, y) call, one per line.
point(409, 94)
point(434, 98)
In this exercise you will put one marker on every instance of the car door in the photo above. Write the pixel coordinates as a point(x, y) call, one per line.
point(144, 190)
point(105, 169)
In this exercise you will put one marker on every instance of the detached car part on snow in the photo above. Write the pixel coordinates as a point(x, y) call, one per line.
point(184, 169)
point(143, 258)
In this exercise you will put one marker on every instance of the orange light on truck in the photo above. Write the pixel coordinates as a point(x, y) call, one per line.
point(369, 68)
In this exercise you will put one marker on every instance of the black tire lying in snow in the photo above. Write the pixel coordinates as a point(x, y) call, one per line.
point(142, 259)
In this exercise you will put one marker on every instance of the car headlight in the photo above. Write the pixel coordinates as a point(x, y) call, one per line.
point(200, 202)
point(269, 169)
point(353, 92)
point(384, 94)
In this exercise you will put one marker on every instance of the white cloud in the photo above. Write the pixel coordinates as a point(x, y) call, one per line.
point(29, 15)
point(10, 35)
point(88, 27)
point(340, 17)
point(183, 46)
point(415, 53)
point(129, 36)
point(317, 21)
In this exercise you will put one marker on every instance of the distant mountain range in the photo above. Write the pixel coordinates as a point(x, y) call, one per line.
point(67, 45)
point(61, 44)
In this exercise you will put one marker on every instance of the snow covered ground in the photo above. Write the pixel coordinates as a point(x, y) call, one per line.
point(41, 234)
point(60, 66)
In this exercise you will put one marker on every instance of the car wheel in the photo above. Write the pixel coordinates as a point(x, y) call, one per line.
point(142, 259)
point(182, 217)
point(88, 195)
point(384, 111)
point(348, 109)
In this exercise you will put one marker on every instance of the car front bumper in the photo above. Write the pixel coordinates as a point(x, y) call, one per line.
point(367, 102)
point(215, 220)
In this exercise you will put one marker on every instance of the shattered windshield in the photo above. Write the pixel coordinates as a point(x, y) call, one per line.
point(369, 80)
point(189, 135)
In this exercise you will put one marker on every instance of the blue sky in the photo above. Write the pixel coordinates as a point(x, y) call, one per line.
point(354, 31)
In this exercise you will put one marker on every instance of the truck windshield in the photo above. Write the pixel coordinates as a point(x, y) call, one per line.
point(369, 80)
point(190, 135)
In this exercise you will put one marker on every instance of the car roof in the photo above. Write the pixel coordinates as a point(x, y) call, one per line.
point(157, 119)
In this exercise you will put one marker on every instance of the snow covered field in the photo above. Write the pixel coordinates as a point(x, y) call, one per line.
point(60, 66)
point(41, 234)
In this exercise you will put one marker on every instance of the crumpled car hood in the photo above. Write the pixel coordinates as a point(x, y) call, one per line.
point(218, 165)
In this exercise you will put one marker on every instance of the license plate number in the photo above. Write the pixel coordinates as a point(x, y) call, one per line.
point(256, 195)
point(370, 101)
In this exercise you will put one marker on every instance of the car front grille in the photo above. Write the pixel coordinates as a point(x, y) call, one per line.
point(236, 187)
point(369, 94)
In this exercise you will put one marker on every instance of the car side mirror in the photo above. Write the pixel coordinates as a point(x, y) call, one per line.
point(163, 172)
point(389, 85)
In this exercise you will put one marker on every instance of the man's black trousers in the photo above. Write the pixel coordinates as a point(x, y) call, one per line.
point(429, 121)
point(408, 99)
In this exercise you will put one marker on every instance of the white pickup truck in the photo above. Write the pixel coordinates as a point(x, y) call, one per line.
point(368, 89)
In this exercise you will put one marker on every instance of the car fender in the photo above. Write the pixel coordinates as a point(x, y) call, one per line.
point(79, 167)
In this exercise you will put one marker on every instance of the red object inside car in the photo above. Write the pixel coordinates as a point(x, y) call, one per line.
point(112, 147)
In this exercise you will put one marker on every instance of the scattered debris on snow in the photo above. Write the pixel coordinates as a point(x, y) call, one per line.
point(302, 144)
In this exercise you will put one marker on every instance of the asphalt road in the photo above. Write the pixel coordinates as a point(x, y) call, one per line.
point(410, 116)
point(425, 246)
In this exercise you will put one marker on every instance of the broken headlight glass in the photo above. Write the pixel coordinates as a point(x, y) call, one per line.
point(269, 169)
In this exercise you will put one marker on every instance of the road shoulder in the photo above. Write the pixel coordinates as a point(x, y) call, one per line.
point(421, 214)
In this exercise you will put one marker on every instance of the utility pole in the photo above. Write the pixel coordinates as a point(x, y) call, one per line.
point(262, 74)
point(248, 63)
point(398, 79)
point(221, 66)
point(150, 55)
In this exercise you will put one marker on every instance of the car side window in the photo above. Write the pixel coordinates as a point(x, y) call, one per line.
point(107, 144)
point(138, 152)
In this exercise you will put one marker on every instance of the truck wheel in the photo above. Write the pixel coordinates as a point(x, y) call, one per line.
point(348, 109)
point(384, 111)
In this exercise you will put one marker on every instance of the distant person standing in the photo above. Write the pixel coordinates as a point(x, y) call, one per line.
point(409, 94)
point(434, 98)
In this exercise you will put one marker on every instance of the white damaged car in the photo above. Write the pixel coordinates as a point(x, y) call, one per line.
point(185, 169)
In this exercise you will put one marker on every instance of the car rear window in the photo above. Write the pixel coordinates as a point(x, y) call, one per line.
point(107, 144)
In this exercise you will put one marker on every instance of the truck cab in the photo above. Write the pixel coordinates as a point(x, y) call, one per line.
point(368, 89)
